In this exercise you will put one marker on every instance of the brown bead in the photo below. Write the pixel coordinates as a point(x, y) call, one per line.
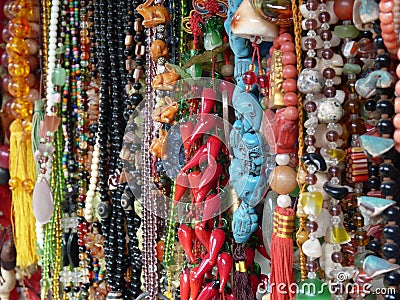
point(312, 5)
point(329, 91)
point(332, 136)
point(361, 238)
point(326, 35)
point(358, 219)
point(328, 73)
point(352, 106)
point(312, 266)
point(312, 226)
point(334, 171)
point(311, 179)
point(283, 180)
point(335, 210)
point(310, 106)
point(356, 126)
point(324, 17)
point(310, 62)
point(337, 257)
point(310, 43)
point(309, 140)
point(327, 53)
point(344, 9)
point(311, 24)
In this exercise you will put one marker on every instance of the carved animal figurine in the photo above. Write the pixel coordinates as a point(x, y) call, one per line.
point(158, 49)
point(158, 147)
point(167, 80)
point(166, 113)
point(153, 15)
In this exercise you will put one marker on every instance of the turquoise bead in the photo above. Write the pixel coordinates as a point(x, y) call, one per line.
point(351, 69)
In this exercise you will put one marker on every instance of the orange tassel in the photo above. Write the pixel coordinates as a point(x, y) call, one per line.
point(282, 275)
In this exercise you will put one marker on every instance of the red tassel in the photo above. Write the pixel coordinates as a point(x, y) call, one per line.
point(282, 254)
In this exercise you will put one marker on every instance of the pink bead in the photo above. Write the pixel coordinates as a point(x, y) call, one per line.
point(291, 113)
point(289, 85)
point(389, 36)
point(271, 50)
point(284, 38)
point(287, 47)
point(289, 58)
point(397, 87)
point(397, 104)
point(398, 70)
point(386, 18)
point(387, 27)
point(396, 121)
point(289, 72)
point(290, 99)
point(396, 136)
point(386, 6)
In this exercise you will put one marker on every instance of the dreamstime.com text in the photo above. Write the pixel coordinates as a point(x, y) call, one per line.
point(309, 288)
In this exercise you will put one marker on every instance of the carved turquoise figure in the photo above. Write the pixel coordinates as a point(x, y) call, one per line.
point(245, 222)
point(248, 110)
point(250, 189)
point(255, 152)
point(366, 87)
point(239, 46)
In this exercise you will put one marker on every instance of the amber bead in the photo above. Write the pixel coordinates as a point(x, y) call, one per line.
point(18, 87)
point(361, 238)
point(21, 108)
point(18, 46)
point(356, 125)
point(19, 27)
point(18, 67)
point(352, 106)
point(358, 219)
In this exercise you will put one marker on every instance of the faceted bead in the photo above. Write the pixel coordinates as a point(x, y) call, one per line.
point(346, 31)
point(262, 81)
point(312, 202)
point(390, 251)
point(249, 78)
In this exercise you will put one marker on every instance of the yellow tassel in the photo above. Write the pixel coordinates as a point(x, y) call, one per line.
point(22, 180)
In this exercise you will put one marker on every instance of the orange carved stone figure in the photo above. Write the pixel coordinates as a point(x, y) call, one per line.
point(165, 113)
point(158, 49)
point(158, 147)
point(167, 80)
point(153, 15)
